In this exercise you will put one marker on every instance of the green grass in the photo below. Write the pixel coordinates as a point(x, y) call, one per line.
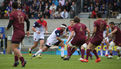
point(55, 62)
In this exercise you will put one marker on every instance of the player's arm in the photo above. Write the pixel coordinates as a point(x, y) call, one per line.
point(88, 32)
point(94, 30)
point(107, 29)
point(9, 24)
point(114, 31)
point(27, 24)
point(72, 34)
point(46, 28)
point(57, 32)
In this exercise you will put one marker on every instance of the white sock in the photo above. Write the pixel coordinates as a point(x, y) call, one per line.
point(29, 49)
point(101, 52)
point(62, 51)
point(38, 52)
point(106, 52)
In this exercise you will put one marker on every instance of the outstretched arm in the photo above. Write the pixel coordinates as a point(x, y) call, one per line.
point(9, 24)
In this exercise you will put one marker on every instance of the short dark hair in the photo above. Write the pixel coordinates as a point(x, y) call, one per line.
point(76, 19)
point(99, 15)
point(15, 5)
point(112, 23)
point(64, 25)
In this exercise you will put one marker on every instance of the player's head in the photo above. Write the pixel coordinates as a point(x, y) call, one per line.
point(63, 26)
point(71, 22)
point(99, 15)
point(41, 17)
point(111, 24)
point(76, 19)
point(106, 20)
point(15, 5)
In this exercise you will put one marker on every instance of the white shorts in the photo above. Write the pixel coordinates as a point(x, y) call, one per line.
point(85, 45)
point(118, 48)
point(111, 45)
point(105, 39)
point(38, 37)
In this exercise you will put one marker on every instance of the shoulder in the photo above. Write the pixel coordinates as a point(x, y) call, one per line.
point(45, 21)
point(38, 21)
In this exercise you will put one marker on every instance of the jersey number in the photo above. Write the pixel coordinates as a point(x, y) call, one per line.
point(20, 18)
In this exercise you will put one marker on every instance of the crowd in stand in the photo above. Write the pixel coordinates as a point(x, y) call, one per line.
point(61, 9)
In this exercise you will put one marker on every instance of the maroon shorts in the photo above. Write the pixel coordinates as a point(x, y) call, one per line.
point(18, 37)
point(77, 42)
point(118, 42)
point(96, 41)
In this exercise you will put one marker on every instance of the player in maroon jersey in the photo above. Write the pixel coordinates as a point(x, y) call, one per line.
point(116, 32)
point(17, 18)
point(97, 37)
point(78, 34)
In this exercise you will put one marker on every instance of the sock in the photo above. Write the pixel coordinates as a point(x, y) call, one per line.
point(95, 53)
point(62, 51)
point(15, 58)
point(69, 51)
point(21, 59)
point(72, 51)
point(101, 52)
point(30, 50)
point(82, 53)
point(38, 52)
point(78, 51)
point(88, 52)
point(106, 52)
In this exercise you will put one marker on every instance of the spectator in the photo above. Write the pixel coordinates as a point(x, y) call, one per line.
point(67, 6)
point(73, 10)
point(64, 14)
point(53, 6)
point(94, 13)
point(59, 6)
point(58, 14)
point(52, 15)
point(46, 13)
point(62, 2)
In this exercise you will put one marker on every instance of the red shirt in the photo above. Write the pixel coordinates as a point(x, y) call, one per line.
point(43, 23)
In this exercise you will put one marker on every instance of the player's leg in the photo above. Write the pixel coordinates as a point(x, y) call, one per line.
point(34, 46)
point(118, 52)
point(107, 43)
point(41, 46)
point(16, 60)
point(101, 51)
point(18, 53)
point(78, 50)
point(111, 45)
point(62, 49)
point(45, 48)
point(83, 51)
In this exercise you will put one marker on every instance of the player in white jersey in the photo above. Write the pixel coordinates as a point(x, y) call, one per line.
point(39, 28)
point(54, 39)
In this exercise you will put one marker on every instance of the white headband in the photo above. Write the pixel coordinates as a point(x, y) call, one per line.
point(63, 26)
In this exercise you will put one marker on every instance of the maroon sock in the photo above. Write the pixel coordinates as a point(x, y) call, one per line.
point(15, 58)
point(21, 59)
point(82, 53)
point(95, 53)
point(88, 52)
point(72, 51)
point(111, 54)
point(68, 51)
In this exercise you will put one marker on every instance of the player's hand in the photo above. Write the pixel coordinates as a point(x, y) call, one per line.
point(66, 42)
point(109, 34)
point(38, 32)
point(27, 33)
point(46, 32)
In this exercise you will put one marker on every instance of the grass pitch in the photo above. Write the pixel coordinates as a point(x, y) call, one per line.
point(55, 62)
